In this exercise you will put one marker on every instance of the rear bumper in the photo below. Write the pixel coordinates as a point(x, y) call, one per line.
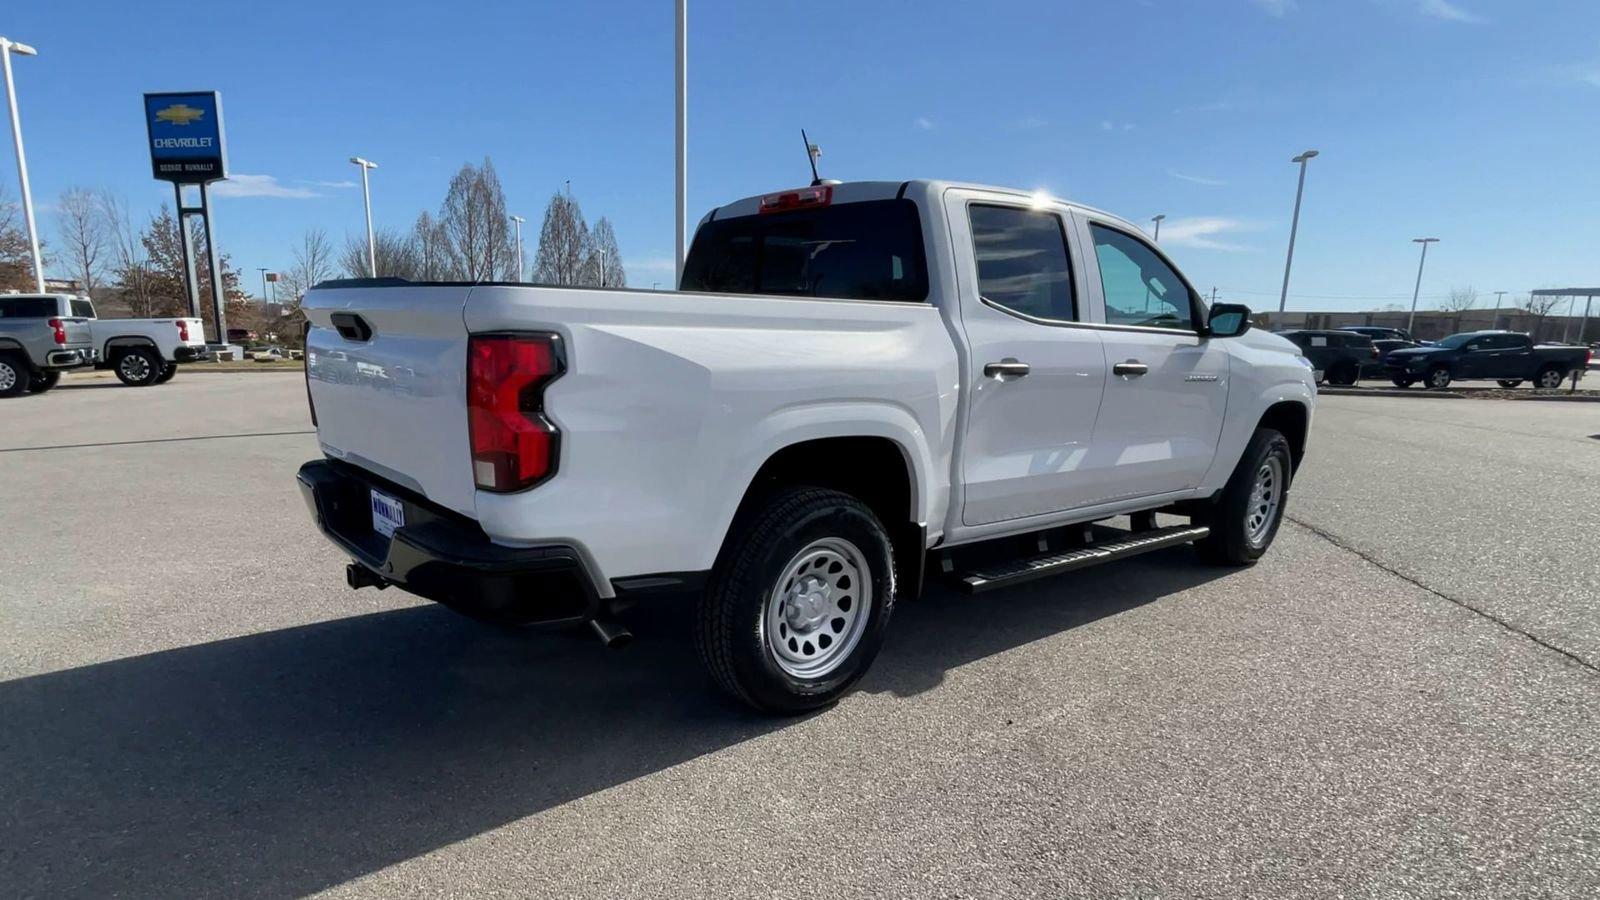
point(68, 359)
point(189, 354)
point(446, 558)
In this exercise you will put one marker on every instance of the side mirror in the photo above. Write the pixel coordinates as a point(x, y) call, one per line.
point(1228, 320)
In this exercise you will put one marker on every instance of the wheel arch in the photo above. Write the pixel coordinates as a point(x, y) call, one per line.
point(1292, 419)
point(127, 340)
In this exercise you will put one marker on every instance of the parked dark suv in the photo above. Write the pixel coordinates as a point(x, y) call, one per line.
point(1335, 355)
point(1378, 332)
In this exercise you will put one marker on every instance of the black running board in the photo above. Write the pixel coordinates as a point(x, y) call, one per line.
point(1005, 574)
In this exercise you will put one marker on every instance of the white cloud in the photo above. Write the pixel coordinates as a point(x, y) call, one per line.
point(1276, 8)
point(1031, 122)
point(923, 122)
point(1448, 12)
point(260, 186)
point(1197, 179)
point(1108, 125)
point(332, 184)
point(1202, 233)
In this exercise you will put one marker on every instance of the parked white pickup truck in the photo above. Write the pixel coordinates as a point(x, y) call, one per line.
point(854, 381)
point(143, 351)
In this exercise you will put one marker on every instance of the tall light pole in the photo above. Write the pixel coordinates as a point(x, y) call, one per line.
point(1157, 219)
point(682, 116)
point(1417, 291)
point(518, 220)
point(366, 196)
point(8, 47)
point(1294, 224)
point(263, 271)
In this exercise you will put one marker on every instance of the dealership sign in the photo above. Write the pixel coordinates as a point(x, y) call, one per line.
point(186, 144)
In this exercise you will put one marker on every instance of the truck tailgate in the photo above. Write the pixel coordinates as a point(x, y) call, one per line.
point(389, 392)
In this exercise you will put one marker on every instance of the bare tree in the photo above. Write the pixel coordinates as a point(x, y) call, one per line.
point(432, 249)
point(130, 264)
point(606, 260)
point(313, 262)
point(16, 259)
point(476, 227)
point(1537, 306)
point(1460, 299)
point(564, 243)
point(395, 254)
point(81, 224)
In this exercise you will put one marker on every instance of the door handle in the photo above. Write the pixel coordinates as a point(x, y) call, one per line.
point(1006, 368)
point(1132, 367)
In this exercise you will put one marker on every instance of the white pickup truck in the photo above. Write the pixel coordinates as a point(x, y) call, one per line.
point(854, 382)
point(143, 352)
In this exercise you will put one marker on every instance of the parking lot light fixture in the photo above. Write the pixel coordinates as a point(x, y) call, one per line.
point(1294, 224)
point(8, 47)
point(518, 220)
point(1416, 291)
point(366, 197)
point(1157, 219)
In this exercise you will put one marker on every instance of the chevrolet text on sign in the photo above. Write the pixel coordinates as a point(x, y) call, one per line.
point(186, 142)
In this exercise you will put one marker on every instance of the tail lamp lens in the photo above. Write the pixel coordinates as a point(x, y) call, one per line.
point(514, 446)
point(183, 330)
point(61, 331)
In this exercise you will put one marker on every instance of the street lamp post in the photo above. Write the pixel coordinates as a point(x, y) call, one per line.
point(366, 196)
point(1157, 219)
point(1294, 224)
point(1417, 291)
point(263, 271)
point(518, 220)
point(8, 47)
point(681, 115)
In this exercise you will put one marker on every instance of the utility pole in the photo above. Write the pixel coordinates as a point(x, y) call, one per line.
point(7, 47)
point(1213, 295)
point(1411, 321)
point(1294, 224)
point(366, 196)
point(518, 220)
point(681, 175)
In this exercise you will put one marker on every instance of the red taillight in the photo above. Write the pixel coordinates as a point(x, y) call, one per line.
point(183, 329)
point(61, 330)
point(801, 199)
point(514, 447)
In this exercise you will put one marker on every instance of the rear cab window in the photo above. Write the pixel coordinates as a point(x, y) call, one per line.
point(865, 250)
point(28, 307)
point(83, 309)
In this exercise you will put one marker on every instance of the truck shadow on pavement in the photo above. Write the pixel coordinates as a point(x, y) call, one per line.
point(281, 763)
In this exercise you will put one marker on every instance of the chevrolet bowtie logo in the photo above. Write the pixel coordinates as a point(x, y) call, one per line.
point(180, 114)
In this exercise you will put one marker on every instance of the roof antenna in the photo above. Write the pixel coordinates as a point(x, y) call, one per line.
point(812, 152)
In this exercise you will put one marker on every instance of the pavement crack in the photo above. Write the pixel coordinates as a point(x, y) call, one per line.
point(1469, 607)
point(201, 437)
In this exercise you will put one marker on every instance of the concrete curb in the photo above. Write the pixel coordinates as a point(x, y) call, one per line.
point(1464, 394)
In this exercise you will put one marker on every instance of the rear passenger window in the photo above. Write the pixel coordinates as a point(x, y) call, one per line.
point(1139, 287)
point(1318, 340)
point(1022, 261)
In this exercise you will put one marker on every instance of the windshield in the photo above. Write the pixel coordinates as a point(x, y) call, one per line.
point(861, 251)
point(1454, 341)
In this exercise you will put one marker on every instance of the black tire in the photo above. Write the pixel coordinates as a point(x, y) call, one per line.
point(43, 381)
point(1550, 377)
point(1438, 378)
point(167, 371)
point(732, 633)
point(1509, 383)
point(1230, 543)
point(1403, 382)
point(15, 375)
point(137, 366)
point(1344, 374)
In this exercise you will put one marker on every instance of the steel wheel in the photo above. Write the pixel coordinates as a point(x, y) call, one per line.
point(817, 610)
point(1266, 494)
point(8, 376)
point(134, 367)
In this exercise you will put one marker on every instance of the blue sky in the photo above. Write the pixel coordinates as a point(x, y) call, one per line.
point(1475, 121)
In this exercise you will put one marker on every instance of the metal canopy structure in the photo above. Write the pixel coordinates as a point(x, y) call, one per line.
point(1588, 295)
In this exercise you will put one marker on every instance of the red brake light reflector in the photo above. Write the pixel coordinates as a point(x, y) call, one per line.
point(803, 198)
point(183, 330)
point(61, 331)
point(514, 446)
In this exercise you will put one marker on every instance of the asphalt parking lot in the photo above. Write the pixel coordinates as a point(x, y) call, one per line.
point(1401, 700)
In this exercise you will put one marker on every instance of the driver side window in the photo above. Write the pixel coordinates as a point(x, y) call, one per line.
point(1140, 288)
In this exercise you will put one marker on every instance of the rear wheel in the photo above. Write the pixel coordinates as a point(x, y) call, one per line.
point(1438, 378)
point(799, 602)
point(14, 375)
point(1245, 518)
point(44, 381)
point(1509, 382)
point(167, 371)
point(138, 366)
point(1550, 377)
point(1344, 374)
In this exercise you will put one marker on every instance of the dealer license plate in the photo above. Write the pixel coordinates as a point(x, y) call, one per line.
point(387, 514)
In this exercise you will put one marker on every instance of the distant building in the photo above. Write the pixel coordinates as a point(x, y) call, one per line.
point(1432, 324)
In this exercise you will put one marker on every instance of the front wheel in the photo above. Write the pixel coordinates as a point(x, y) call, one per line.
point(138, 367)
point(1509, 382)
point(1344, 374)
point(799, 602)
point(1550, 378)
point(1438, 378)
point(44, 381)
point(1245, 518)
